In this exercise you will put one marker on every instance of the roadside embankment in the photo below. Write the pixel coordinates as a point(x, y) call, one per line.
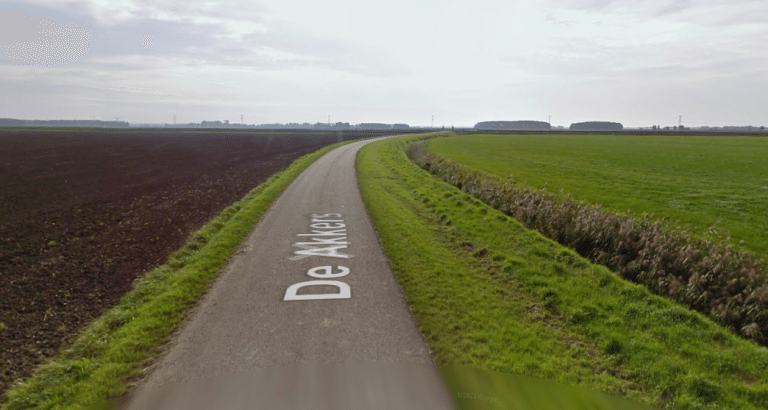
point(714, 278)
point(490, 294)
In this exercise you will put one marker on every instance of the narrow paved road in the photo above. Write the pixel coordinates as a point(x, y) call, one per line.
point(307, 315)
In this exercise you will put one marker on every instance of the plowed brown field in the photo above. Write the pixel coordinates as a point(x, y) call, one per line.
point(85, 212)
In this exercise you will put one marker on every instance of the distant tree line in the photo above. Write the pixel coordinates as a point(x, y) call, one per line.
point(513, 126)
point(338, 126)
point(748, 128)
point(545, 126)
point(596, 126)
point(9, 122)
point(374, 126)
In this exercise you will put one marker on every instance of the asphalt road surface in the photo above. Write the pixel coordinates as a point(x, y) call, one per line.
point(306, 315)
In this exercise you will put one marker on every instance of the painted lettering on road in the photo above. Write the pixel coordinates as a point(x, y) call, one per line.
point(323, 272)
point(319, 242)
point(327, 238)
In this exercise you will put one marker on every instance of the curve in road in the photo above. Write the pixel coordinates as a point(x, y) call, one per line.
point(306, 315)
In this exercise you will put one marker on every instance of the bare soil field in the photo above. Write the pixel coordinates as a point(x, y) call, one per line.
point(84, 212)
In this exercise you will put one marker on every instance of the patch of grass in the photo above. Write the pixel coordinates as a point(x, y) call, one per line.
point(117, 346)
point(713, 278)
point(701, 181)
point(490, 294)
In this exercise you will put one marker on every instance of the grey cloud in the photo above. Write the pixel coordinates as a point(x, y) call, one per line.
point(147, 40)
point(562, 22)
point(676, 6)
point(585, 4)
point(209, 44)
point(200, 43)
point(756, 15)
point(137, 89)
point(662, 66)
point(332, 53)
point(42, 42)
point(159, 37)
point(712, 12)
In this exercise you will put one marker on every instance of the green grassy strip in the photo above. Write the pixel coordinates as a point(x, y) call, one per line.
point(701, 181)
point(713, 278)
point(476, 389)
point(115, 347)
point(488, 293)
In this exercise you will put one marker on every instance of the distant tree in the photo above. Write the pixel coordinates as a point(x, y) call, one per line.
point(374, 126)
point(597, 126)
point(342, 126)
point(513, 126)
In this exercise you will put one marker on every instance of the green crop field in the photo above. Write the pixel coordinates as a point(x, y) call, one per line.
point(700, 181)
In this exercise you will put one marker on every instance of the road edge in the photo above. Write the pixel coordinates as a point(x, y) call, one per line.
point(108, 355)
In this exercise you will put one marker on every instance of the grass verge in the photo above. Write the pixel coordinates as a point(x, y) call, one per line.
point(99, 363)
point(701, 181)
point(715, 279)
point(489, 294)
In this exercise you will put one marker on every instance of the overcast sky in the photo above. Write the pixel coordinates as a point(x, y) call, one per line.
point(462, 61)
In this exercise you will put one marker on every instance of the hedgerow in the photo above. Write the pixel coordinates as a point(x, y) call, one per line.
point(714, 278)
